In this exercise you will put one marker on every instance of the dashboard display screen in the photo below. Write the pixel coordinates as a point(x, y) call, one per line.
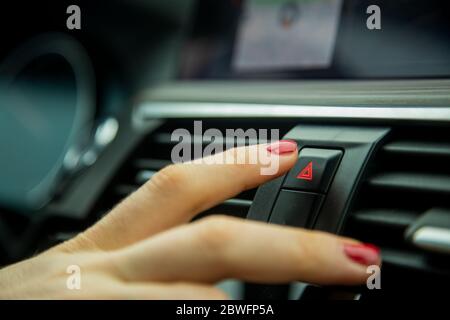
point(317, 39)
point(275, 35)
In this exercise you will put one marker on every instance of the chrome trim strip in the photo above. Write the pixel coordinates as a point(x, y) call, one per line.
point(433, 239)
point(164, 109)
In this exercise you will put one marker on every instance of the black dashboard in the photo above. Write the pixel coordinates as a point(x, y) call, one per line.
point(311, 40)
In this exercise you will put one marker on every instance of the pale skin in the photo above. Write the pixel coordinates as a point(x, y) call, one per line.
point(146, 247)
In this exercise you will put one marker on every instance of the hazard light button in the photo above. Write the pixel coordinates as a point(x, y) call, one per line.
point(314, 170)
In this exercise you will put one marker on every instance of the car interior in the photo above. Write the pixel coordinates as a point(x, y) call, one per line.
point(87, 117)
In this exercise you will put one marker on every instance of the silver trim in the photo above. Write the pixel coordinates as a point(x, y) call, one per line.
point(433, 239)
point(164, 109)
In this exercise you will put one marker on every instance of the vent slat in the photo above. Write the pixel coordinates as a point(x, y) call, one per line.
point(411, 181)
point(409, 175)
point(123, 190)
point(414, 260)
point(234, 207)
point(418, 148)
point(238, 203)
point(394, 218)
point(151, 164)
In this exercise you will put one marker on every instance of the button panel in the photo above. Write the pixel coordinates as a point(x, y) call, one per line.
point(314, 170)
point(294, 208)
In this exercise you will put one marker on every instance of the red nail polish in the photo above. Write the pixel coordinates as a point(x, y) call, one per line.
point(282, 147)
point(365, 253)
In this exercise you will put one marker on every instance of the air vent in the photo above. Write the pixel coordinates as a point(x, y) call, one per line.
point(409, 175)
point(154, 153)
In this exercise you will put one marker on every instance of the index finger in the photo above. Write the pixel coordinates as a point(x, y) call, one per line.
point(178, 192)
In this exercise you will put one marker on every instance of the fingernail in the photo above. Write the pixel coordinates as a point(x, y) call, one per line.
point(365, 253)
point(282, 147)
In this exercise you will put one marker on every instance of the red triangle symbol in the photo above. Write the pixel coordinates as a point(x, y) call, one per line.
point(306, 173)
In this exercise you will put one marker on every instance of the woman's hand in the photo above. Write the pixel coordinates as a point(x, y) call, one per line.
point(146, 249)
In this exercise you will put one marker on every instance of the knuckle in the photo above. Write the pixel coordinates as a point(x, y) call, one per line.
point(311, 246)
point(169, 179)
point(120, 265)
point(306, 250)
point(215, 232)
point(114, 263)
